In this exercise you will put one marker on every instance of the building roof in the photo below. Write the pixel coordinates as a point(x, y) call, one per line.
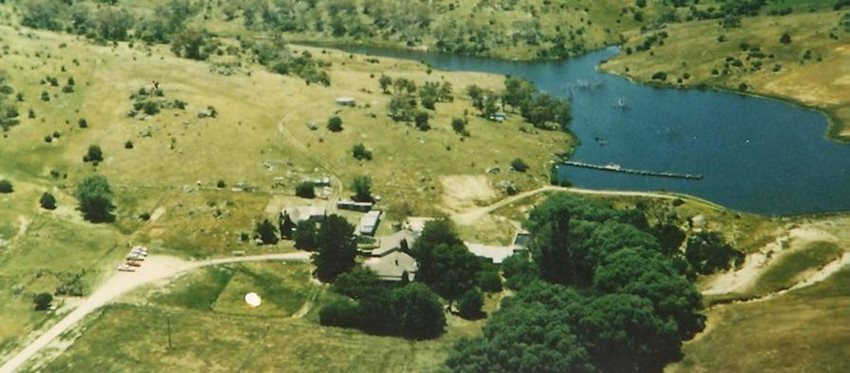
point(369, 222)
point(393, 242)
point(300, 213)
point(496, 254)
point(393, 266)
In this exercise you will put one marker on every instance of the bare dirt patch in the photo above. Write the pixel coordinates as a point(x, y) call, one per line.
point(462, 192)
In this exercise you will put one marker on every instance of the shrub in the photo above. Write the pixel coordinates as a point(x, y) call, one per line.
point(421, 121)
point(220, 184)
point(83, 123)
point(470, 303)
point(128, 145)
point(361, 153)
point(266, 232)
point(489, 281)
point(42, 301)
point(785, 38)
point(341, 313)
point(519, 165)
point(95, 154)
point(47, 201)
point(335, 124)
point(305, 189)
point(45, 96)
point(6, 186)
point(459, 125)
point(662, 76)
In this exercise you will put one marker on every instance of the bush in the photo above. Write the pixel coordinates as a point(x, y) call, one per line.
point(360, 153)
point(459, 125)
point(662, 76)
point(266, 232)
point(42, 301)
point(128, 145)
point(489, 281)
point(305, 235)
point(45, 96)
point(83, 123)
point(6, 186)
point(785, 38)
point(95, 154)
point(341, 313)
point(47, 201)
point(470, 303)
point(305, 189)
point(220, 184)
point(362, 188)
point(335, 124)
point(421, 121)
point(519, 165)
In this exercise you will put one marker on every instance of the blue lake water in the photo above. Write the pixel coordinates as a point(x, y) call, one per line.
point(758, 155)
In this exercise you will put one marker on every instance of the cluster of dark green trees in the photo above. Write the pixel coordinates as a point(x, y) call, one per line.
point(403, 104)
point(447, 270)
point(600, 290)
point(170, 22)
point(520, 95)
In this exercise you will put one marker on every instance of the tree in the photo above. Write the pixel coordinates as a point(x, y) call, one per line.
point(113, 24)
point(623, 334)
point(650, 276)
point(306, 235)
point(267, 232)
point(470, 303)
point(385, 83)
point(128, 145)
point(489, 280)
point(47, 201)
point(190, 43)
point(520, 270)
point(785, 38)
point(459, 126)
point(402, 107)
point(526, 336)
point(358, 283)
point(362, 188)
point(420, 312)
point(708, 252)
point(305, 189)
point(435, 233)
point(95, 198)
point(518, 91)
point(42, 301)
point(457, 268)
point(82, 123)
point(335, 124)
point(429, 95)
point(519, 165)
point(421, 121)
point(6, 186)
point(336, 248)
point(94, 154)
point(360, 152)
point(542, 109)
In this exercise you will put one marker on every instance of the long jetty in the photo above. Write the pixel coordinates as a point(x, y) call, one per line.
point(618, 168)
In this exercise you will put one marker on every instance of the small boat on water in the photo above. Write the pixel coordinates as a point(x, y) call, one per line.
point(612, 167)
point(621, 104)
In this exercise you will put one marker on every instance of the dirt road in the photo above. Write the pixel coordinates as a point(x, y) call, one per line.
point(470, 217)
point(155, 268)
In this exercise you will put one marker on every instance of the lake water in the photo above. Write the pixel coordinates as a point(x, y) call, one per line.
point(757, 155)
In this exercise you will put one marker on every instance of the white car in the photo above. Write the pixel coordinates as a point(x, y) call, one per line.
point(126, 268)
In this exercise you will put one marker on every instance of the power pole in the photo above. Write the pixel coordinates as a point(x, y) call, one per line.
point(168, 323)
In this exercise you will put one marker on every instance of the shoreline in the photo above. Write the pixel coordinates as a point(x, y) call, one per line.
point(832, 133)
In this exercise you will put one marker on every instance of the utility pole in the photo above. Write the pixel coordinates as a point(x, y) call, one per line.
point(168, 323)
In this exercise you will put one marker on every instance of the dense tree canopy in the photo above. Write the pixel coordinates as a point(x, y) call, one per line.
point(336, 248)
point(95, 198)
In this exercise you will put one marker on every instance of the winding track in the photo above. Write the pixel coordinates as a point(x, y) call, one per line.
point(154, 269)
